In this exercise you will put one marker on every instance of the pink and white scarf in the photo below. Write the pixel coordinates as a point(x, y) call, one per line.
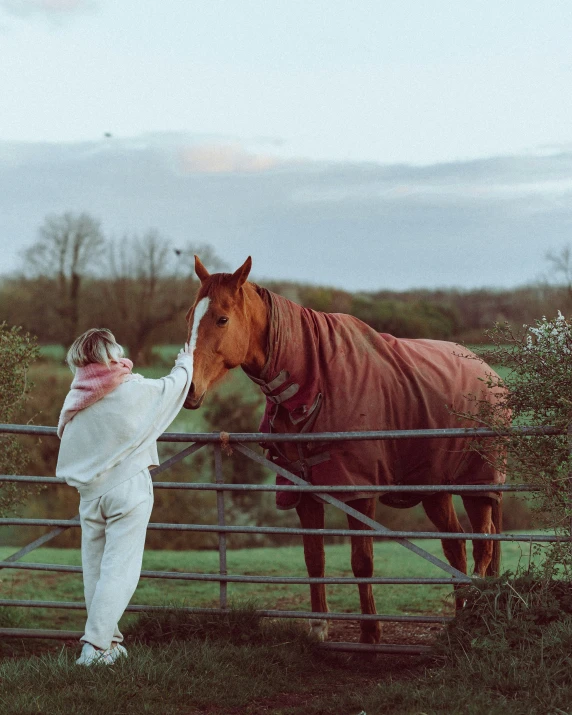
point(90, 384)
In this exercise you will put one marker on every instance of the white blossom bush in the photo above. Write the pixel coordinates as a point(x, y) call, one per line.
point(539, 393)
point(550, 335)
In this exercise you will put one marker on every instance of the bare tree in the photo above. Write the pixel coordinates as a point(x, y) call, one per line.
point(561, 263)
point(66, 251)
point(149, 283)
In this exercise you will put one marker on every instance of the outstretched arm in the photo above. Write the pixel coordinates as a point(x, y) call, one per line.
point(174, 389)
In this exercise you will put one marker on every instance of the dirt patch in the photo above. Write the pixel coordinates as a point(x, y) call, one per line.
point(394, 633)
point(338, 631)
point(354, 673)
point(29, 647)
point(261, 705)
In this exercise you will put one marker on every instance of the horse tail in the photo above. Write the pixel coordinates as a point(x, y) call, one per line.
point(493, 568)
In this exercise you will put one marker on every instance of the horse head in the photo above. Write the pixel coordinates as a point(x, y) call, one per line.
point(219, 327)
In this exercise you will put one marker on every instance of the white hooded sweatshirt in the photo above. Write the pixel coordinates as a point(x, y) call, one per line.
point(112, 440)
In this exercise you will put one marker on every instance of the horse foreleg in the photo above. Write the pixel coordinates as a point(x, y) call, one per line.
point(479, 510)
point(311, 515)
point(439, 508)
point(362, 567)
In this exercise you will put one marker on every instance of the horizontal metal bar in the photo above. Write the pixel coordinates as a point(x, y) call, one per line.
point(293, 531)
point(292, 580)
point(40, 633)
point(215, 437)
point(40, 541)
point(28, 429)
point(389, 618)
point(390, 649)
point(382, 489)
point(350, 647)
point(357, 516)
point(31, 480)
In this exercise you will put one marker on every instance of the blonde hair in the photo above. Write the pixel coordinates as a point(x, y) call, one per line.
point(95, 345)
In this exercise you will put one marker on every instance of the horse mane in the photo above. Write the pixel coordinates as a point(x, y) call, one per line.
point(211, 284)
point(218, 280)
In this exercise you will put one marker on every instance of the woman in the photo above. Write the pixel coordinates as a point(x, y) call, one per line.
point(109, 425)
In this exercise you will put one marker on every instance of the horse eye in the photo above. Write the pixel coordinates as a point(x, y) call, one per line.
point(222, 320)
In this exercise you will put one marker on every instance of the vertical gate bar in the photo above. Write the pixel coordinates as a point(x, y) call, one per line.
point(221, 522)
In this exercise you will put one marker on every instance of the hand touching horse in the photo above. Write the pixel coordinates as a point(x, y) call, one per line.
point(330, 372)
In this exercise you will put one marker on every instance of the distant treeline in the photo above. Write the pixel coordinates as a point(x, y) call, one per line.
point(440, 314)
point(74, 278)
point(142, 318)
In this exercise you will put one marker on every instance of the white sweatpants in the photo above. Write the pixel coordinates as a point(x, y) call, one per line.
point(113, 529)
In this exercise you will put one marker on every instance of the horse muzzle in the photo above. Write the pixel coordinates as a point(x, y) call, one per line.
point(192, 402)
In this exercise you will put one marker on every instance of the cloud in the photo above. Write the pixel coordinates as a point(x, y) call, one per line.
point(354, 225)
point(223, 159)
point(501, 178)
point(49, 8)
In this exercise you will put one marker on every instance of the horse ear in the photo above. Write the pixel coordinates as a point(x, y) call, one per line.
point(239, 277)
point(200, 270)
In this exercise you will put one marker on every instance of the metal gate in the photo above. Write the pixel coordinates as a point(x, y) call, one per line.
point(239, 442)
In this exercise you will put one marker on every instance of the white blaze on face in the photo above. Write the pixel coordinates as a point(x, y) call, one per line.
point(200, 311)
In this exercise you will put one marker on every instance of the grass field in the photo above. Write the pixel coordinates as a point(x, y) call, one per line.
point(273, 670)
point(390, 559)
point(238, 664)
point(267, 667)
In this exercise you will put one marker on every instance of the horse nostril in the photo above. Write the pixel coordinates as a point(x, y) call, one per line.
point(192, 388)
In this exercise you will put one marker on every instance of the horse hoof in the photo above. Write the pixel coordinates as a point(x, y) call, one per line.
point(319, 629)
point(371, 636)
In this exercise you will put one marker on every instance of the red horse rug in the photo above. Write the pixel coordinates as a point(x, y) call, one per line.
point(330, 372)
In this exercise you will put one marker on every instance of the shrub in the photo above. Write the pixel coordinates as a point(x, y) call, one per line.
point(513, 641)
point(512, 612)
point(17, 351)
point(538, 359)
point(240, 624)
point(419, 319)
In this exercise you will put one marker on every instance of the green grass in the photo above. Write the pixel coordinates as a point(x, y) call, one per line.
point(390, 560)
point(272, 668)
point(215, 677)
point(242, 665)
point(502, 371)
point(53, 353)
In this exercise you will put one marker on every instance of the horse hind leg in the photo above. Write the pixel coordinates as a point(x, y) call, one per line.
point(439, 508)
point(311, 515)
point(362, 567)
point(480, 513)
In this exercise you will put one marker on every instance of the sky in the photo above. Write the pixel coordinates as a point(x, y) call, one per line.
point(365, 145)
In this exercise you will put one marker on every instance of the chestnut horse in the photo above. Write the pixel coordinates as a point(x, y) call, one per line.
point(234, 323)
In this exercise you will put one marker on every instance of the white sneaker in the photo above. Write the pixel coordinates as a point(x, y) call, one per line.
point(92, 656)
point(121, 650)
